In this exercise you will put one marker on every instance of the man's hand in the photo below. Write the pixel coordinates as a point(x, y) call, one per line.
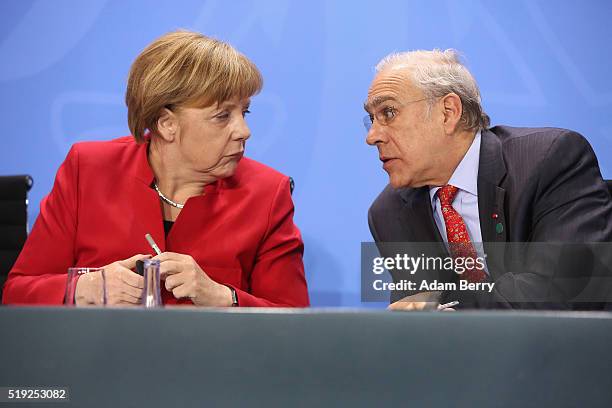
point(407, 305)
point(420, 302)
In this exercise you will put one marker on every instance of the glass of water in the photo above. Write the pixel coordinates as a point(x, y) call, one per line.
point(98, 284)
point(151, 296)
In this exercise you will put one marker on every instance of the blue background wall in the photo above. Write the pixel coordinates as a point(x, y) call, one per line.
point(64, 64)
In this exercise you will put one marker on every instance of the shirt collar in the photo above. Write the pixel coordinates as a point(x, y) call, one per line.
point(465, 176)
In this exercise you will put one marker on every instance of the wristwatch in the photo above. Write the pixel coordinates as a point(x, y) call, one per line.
point(234, 297)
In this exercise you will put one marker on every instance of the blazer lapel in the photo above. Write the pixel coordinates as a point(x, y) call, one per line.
point(491, 208)
point(423, 234)
point(417, 216)
point(148, 216)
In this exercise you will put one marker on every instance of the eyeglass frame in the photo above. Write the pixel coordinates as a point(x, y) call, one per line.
point(368, 120)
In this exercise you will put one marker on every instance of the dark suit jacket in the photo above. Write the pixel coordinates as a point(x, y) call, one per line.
point(545, 186)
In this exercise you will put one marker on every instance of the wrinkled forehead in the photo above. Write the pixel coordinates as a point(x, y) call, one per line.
point(393, 84)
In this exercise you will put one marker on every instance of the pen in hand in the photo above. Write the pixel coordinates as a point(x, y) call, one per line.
point(149, 239)
point(448, 305)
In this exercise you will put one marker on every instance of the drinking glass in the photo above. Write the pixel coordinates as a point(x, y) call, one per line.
point(99, 285)
point(151, 296)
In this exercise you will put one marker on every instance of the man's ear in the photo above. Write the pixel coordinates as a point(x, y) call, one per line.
point(453, 109)
point(167, 125)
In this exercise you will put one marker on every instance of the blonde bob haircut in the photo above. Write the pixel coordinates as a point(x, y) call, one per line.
point(185, 68)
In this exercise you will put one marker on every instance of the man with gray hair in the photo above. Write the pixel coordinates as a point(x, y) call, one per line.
point(458, 183)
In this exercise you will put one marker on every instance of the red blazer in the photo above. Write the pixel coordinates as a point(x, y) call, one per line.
point(240, 231)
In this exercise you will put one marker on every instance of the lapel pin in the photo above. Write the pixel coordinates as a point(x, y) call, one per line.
point(499, 228)
point(494, 216)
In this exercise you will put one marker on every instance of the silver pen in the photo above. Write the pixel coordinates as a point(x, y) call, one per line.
point(149, 239)
point(447, 305)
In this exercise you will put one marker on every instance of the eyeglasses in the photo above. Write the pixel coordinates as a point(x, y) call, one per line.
point(385, 115)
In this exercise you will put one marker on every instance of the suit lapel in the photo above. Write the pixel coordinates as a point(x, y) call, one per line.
point(148, 217)
point(491, 208)
point(417, 220)
point(417, 216)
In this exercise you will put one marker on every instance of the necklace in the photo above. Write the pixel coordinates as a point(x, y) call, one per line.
point(166, 199)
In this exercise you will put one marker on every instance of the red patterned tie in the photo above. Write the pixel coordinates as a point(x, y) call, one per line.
point(458, 239)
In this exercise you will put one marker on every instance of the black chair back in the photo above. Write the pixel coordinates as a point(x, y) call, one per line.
point(13, 220)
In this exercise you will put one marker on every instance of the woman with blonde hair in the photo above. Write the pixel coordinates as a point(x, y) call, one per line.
point(224, 223)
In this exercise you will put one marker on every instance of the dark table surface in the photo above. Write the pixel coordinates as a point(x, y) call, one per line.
point(199, 358)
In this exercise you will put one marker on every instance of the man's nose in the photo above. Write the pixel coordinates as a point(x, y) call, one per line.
point(375, 135)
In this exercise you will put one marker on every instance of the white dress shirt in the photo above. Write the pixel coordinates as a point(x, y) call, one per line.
point(465, 178)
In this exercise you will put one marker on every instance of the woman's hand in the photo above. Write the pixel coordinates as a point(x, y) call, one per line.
point(123, 287)
point(185, 279)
